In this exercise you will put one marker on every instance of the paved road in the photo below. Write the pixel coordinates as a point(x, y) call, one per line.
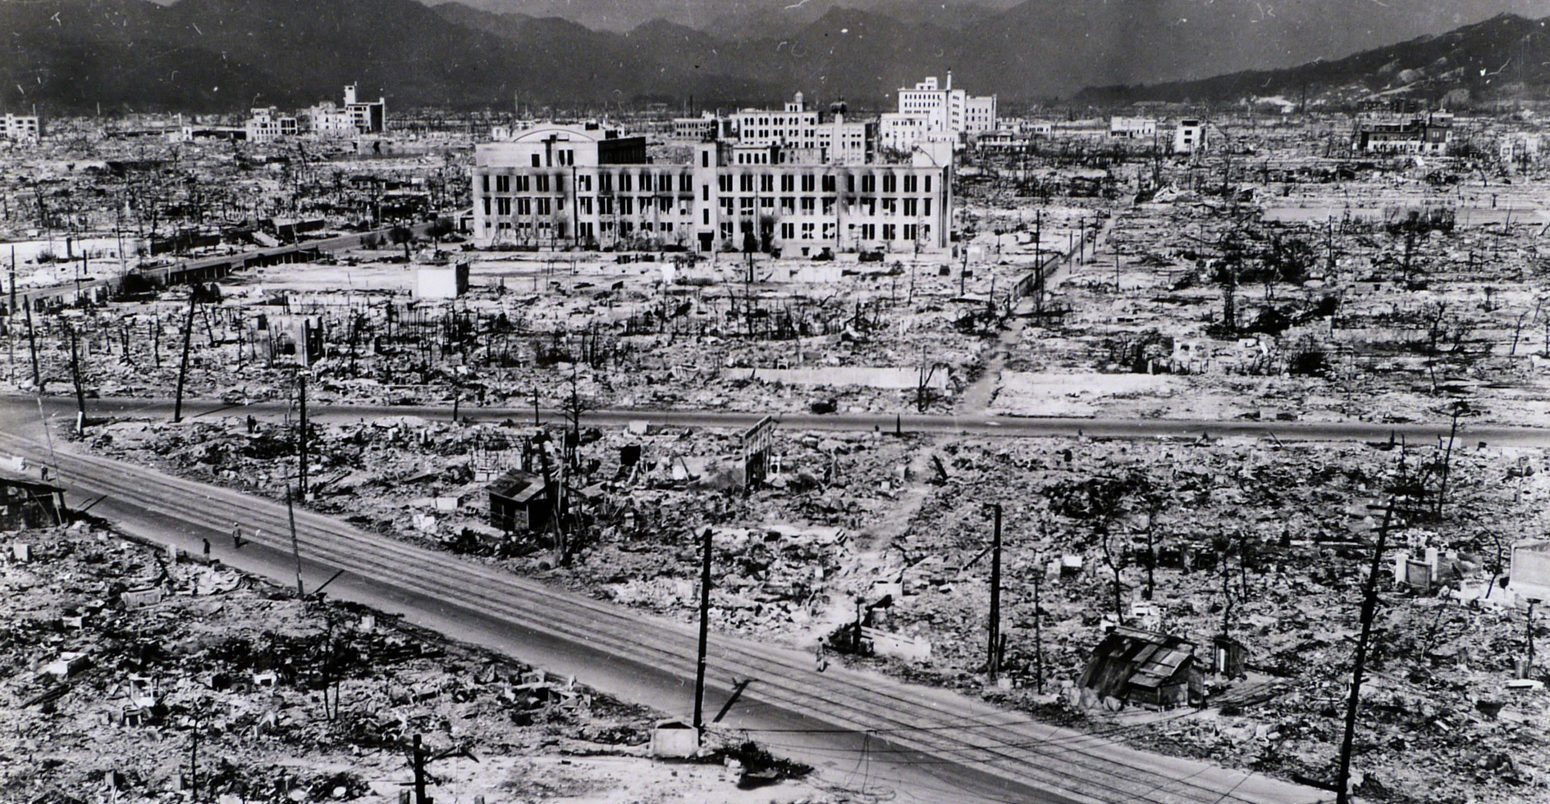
point(925, 744)
point(1007, 426)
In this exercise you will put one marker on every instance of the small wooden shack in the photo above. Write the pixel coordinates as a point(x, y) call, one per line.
point(519, 502)
point(1148, 668)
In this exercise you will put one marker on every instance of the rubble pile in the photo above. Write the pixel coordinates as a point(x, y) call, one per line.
point(640, 502)
point(133, 672)
point(1270, 544)
point(1282, 293)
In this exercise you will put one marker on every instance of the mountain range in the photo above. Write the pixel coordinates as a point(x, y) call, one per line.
point(1506, 56)
point(226, 55)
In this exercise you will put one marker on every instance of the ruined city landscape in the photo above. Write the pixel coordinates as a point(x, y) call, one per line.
point(756, 401)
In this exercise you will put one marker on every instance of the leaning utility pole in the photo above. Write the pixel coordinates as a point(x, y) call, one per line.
point(188, 331)
point(699, 671)
point(1369, 610)
point(993, 655)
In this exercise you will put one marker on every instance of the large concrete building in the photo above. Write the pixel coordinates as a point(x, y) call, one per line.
point(798, 128)
point(930, 111)
point(1380, 132)
point(369, 117)
point(1133, 128)
point(266, 124)
point(20, 128)
point(585, 186)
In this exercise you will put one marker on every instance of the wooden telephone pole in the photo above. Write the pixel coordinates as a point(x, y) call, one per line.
point(188, 331)
point(419, 760)
point(301, 441)
point(75, 376)
point(993, 654)
point(1369, 611)
point(699, 670)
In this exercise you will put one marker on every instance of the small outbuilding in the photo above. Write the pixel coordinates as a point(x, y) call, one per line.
point(519, 502)
point(29, 502)
point(1148, 668)
point(1228, 656)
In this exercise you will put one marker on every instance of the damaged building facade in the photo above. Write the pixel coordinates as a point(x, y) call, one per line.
point(585, 186)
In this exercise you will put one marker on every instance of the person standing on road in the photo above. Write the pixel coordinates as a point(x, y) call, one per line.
point(236, 535)
point(822, 657)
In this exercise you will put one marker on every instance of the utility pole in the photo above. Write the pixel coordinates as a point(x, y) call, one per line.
point(193, 765)
point(32, 346)
point(1369, 610)
point(10, 320)
point(699, 671)
point(301, 394)
point(1528, 664)
point(188, 331)
point(1447, 459)
point(993, 656)
point(418, 760)
point(290, 512)
point(75, 376)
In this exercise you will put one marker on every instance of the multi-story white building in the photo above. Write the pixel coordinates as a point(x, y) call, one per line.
point(1133, 128)
point(20, 128)
point(794, 127)
point(267, 125)
point(370, 117)
point(1189, 136)
point(328, 120)
point(705, 127)
point(583, 186)
point(798, 128)
point(932, 112)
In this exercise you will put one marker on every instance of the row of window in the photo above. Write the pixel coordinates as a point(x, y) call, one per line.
point(912, 182)
point(791, 231)
point(627, 182)
point(542, 207)
point(908, 207)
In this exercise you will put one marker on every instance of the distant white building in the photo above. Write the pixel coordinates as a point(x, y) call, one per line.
point(1189, 136)
point(266, 124)
point(328, 120)
point(708, 126)
point(932, 112)
point(369, 117)
point(21, 128)
point(1403, 133)
point(798, 128)
point(1133, 128)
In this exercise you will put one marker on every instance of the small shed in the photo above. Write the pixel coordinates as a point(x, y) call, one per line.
point(519, 501)
point(1228, 656)
point(1149, 668)
point(29, 502)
